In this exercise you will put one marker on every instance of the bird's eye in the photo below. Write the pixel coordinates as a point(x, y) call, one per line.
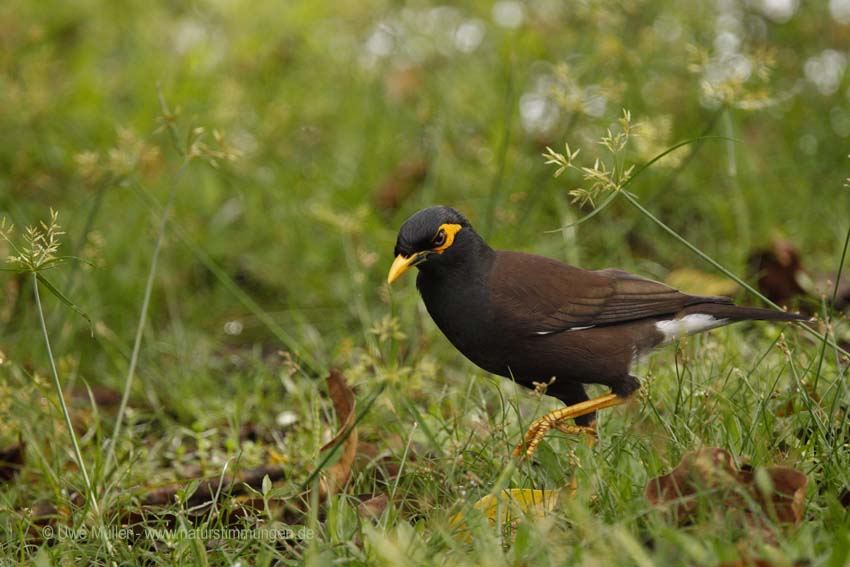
point(440, 239)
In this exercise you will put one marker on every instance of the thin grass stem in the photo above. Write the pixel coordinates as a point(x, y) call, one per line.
point(305, 358)
point(78, 454)
point(143, 316)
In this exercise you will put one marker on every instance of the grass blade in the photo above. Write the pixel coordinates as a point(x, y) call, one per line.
point(728, 273)
point(610, 199)
point(61, 297)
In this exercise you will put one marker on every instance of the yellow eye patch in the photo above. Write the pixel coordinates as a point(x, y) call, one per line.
point(450, 231)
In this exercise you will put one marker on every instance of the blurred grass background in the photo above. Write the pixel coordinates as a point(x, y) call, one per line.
point(349, 116)
point(346, 117)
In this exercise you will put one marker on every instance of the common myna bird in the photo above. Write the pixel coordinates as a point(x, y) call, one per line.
point(530, 318)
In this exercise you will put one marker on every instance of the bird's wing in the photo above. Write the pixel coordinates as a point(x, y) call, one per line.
point(542, 296)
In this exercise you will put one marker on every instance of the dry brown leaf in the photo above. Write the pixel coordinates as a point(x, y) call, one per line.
point(11, 461)
point(44, 516)
point(401, 184)
point(209, 487)
point(747, 563)
point(401, 83)
point(103, 396)
point(777, 269)
point(711, 471)
point(844, 497)
point(787, 499)
point(780, 276)
point(373, 507)
point(11, 291)
point(344, 403)
point(381, 456)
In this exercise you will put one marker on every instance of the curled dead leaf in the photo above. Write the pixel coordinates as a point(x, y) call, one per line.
point(43, 513)
point(373, 507)
point(344, 404)
point(757, 562)
point(401, 184)
point(103, 396)
point(11, 461)
point(785, 498)
point(778, 269)
point(844, 497)
point(381, 462)
point(44, 516)
point(710, 472)
point(780, 276)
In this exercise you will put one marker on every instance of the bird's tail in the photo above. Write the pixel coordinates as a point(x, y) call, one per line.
point(741, 313)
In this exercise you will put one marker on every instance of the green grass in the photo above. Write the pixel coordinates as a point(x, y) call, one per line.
point(272, 263)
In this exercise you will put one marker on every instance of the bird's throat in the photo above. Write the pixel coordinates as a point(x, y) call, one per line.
point(456, 296)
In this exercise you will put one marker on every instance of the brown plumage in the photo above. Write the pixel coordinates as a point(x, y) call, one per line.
point(531, 318)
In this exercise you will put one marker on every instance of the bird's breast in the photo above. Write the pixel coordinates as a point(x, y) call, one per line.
point(465, 315)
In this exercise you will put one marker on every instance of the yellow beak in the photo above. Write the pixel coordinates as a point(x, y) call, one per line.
point(401, 264)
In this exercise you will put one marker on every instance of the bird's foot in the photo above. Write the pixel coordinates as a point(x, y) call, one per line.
point(589, 431)
point(557, 418)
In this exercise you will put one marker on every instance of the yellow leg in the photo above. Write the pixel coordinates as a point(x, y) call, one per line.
point(555, 419)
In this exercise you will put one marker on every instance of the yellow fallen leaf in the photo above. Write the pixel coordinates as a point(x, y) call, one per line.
point(509, 505)
point(278, 458)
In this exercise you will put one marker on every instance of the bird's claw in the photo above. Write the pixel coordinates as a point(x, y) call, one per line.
point(557, 419)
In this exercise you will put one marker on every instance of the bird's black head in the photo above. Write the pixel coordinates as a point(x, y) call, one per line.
point(431, 235)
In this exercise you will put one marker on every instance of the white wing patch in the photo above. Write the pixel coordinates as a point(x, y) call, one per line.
point(688, 325)
point(567, 330)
